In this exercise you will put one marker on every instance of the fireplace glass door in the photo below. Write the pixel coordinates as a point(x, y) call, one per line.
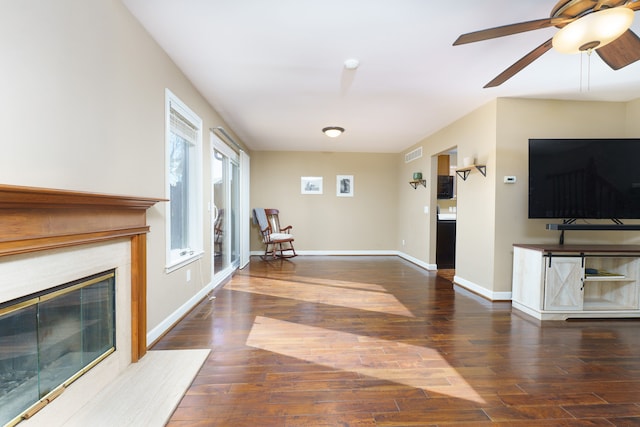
point(49, 339)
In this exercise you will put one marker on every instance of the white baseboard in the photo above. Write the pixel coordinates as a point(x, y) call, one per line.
point(490, 295)
point(523, 308)
point(174, 317)
point(407, 257)
point(418, 262)
point(329, 253)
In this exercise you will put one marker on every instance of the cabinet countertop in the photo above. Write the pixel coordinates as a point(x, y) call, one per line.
point(447, 216)
point(579, 248)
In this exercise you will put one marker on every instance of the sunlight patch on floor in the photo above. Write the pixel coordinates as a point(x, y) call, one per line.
point(341, 284)
point(421, 368)
point(360, 296)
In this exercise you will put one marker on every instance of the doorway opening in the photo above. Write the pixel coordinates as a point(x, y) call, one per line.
point(446, 213)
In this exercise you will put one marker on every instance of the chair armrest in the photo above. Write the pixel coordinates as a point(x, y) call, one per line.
point(286, 229)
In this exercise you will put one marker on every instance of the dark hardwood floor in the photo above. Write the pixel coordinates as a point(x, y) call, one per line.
point(377, 341)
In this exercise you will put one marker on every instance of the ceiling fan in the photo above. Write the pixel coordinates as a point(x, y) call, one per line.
point(582, 17)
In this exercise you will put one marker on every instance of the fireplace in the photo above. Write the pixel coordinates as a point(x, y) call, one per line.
point(53, 237)
point(51, 338)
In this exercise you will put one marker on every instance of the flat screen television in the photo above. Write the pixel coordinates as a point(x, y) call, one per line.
point(584, 178)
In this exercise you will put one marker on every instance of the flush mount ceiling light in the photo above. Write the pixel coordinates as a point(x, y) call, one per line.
point(351, 64)
point(333, 131)
point(593, 31)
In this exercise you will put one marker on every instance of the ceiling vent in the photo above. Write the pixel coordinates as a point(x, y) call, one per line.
point(412, 155)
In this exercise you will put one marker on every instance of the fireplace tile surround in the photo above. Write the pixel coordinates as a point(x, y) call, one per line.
point(50, 237)
point(42, 270)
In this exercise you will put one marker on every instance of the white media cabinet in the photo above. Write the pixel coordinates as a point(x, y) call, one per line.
point(557, 282)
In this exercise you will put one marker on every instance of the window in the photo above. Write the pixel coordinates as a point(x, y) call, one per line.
point(184, 177)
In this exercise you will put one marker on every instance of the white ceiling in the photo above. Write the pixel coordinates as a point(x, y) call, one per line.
point(274, 68)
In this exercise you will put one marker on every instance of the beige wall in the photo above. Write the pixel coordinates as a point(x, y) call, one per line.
point(519, 120)
point(492, 215)
point(473, 135)
point(83, 109)
point(633, 124)
point(413, 230)
point(364, 222)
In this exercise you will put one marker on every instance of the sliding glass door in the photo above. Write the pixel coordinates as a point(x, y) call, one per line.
point(225, 209)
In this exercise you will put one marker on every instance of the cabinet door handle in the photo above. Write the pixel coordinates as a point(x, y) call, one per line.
point(581, 284)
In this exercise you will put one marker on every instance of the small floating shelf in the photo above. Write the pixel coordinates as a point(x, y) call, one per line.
point(465, 171)
point(417, 182)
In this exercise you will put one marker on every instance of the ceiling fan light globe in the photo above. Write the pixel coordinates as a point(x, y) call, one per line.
point(594, 30)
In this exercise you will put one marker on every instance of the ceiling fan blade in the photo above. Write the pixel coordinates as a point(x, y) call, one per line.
point(633, 5)
point(622, 51)
point(607, 4)
point(507, 30)
point(520, 64)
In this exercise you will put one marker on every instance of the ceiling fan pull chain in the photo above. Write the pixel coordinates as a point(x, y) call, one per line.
point(581, 70)
point(589, 70)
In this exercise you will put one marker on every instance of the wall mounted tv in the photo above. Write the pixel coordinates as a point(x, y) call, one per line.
point(584, 178)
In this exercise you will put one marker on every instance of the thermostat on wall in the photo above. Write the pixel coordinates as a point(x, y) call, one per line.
point(509, 179)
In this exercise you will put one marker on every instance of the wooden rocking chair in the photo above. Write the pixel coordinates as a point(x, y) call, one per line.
point(278, 241)
point(217, 233)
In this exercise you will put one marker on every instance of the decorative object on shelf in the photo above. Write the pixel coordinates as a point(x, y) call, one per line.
point(417, 176)
point(311, 185)
point(464, 172)
point(333, 131)
point(344, 185)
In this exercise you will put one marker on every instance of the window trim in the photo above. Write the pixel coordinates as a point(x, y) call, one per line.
point(196, 237)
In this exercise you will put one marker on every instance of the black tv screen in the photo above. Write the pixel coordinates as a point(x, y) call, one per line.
point(584, 178)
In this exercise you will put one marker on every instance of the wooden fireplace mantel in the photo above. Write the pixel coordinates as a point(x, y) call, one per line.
point(36, 219)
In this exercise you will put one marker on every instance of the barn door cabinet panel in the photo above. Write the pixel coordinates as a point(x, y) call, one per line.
point(563, 284)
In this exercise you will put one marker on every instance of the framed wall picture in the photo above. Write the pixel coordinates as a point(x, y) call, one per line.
point(311, 185)
point(344, 185)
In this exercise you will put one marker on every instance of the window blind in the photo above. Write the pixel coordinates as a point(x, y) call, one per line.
point(182, 127)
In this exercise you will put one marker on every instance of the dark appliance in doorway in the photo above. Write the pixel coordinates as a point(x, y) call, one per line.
point(445, 187)
point(446, 244)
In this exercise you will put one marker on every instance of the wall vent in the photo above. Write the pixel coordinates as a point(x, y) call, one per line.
point(412, 155)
